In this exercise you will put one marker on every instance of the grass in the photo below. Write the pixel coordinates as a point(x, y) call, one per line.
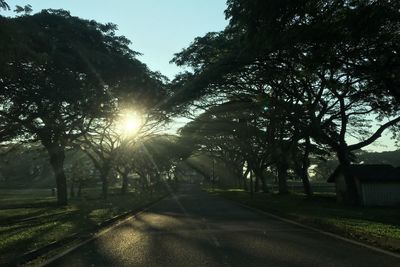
point(28, 228)
point(379, 226)
point(18, 197)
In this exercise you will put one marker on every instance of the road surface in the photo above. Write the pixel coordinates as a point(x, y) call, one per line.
point(193, 228)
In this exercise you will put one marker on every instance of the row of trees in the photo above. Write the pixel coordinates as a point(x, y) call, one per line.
point(290, 80)
point(286, 81)
point(142, 166)
point(65, 83)
point(150, 159)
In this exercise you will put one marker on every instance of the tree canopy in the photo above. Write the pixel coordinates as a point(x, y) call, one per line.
point(60, 72)
point(324, 70)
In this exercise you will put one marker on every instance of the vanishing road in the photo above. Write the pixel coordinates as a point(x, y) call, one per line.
point(196, 229)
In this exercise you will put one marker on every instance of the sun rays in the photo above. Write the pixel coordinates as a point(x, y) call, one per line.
point(130, 123)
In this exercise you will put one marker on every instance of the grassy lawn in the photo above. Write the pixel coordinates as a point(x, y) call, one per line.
point(27, 228)
point(16, 197)
point(379, 226)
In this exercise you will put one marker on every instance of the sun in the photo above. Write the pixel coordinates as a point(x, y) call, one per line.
point(130, 123)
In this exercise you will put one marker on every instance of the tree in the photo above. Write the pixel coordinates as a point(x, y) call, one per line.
point(58, 73)
point(23, 9)
point(124, 165)
point(233, 132)
point(79, 172)
point(166, 151)
point(4, 5)
point(111, 143)
point(24, 164)
point(102, 144)
point(323, 66)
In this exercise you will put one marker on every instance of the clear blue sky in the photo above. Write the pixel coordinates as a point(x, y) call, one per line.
point(157, 28)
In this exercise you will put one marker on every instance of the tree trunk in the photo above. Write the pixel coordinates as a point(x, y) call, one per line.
point(251, 184)
point(256, 182)
point(306, 181)
point(239, 177)
point(304, 168)
point(57, 156)
point(79, 194)
point(244, 177)
point(303, 173)
point(124, 188)
point(143, 180)
point(264, 184)
point(260, 178)
point(72, 190)
point(255, 176)
point(351, 195)
point(282, 182)
point(104, 173)
point(104, 180)
point(104, 188)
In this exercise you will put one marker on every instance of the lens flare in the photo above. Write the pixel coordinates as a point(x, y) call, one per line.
point(130, 123)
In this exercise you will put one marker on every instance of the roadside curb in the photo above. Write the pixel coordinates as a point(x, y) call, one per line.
point(83, 239)
point(377, 249)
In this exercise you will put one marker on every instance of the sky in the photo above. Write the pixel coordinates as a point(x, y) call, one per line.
point(158, 29)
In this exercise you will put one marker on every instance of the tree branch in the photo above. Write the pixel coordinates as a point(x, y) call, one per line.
point(375, 136)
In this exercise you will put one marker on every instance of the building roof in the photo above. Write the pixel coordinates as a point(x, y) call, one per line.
point(370, 172)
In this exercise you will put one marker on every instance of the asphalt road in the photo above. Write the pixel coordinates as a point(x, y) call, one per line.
point(196, 229)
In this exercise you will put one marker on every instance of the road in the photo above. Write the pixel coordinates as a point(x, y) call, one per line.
point(193, 228)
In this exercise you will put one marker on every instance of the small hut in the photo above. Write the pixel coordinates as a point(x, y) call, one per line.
point(377, 185)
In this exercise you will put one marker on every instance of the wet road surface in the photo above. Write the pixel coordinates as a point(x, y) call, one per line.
point(193, 228)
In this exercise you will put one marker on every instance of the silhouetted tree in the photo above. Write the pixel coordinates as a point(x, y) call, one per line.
point(4, 5)
point(101, 144)
point(324, 68)
point(58, 73)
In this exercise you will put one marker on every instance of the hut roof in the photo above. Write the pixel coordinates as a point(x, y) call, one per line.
point(370, 172)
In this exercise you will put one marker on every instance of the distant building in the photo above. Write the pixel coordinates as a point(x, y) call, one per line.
point(377, 185)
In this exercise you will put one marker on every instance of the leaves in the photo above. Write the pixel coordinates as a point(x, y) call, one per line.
point(4, 5)
point(25, 9)
point(310, 69)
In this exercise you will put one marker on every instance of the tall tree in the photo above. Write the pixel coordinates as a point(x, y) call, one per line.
point(59, 72)
point(335, 61)
point(101, 144)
